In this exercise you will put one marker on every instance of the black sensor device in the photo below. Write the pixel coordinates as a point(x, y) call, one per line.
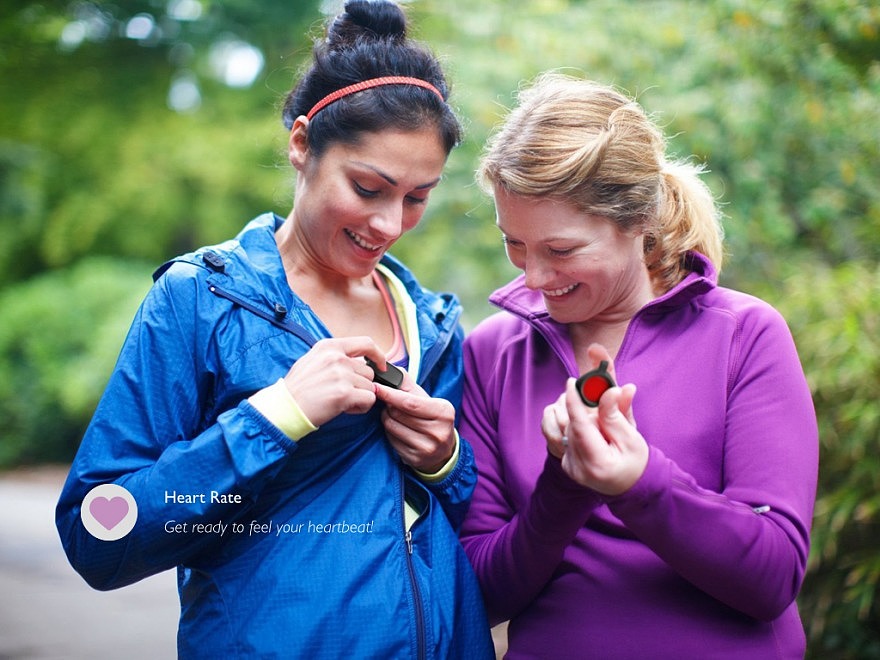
point(592, 385)
point(392, 377)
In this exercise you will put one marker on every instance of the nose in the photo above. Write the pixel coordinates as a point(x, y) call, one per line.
point(387, 221)
point(538, 273)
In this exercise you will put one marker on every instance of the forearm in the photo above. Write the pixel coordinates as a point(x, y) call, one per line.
point(753, 561)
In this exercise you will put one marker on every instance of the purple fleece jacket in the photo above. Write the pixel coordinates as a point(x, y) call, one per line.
point(703, 557)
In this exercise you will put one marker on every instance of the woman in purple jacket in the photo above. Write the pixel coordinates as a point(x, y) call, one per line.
point(672, 523)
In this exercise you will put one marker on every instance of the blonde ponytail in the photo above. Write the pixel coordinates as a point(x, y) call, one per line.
point(688, 219)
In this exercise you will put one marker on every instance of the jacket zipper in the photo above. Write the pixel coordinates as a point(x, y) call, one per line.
point(417, 596)
point(275, 319)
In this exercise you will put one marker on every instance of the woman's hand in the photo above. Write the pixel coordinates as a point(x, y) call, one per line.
point(600, 447)
point(333, 378)
point(420, 428)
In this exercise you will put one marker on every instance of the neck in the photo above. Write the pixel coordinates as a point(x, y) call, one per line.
point(307, 275)
point(610, 335)
point(607, 330)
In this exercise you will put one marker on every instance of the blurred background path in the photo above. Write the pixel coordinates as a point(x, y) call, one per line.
point(47, 610)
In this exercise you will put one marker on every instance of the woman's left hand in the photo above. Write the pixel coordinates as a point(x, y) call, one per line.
point(602, 448)
point(420, 428)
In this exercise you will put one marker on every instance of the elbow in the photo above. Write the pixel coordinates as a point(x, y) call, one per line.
point(775, 578)
point(499, 599)
point(92, 567)
point(769, 611)
point(105, 574)
point(98, 581)
point(773, 597)
point(498, 612)
point(95, 561)
point(785, 599)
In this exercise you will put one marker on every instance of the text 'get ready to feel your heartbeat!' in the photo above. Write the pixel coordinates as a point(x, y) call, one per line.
point(109, 512)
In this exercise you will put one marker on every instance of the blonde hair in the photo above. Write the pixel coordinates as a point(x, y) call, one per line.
point(591, 146)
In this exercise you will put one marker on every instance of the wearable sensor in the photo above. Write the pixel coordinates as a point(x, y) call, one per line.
point(392, 377)
point(592, 385)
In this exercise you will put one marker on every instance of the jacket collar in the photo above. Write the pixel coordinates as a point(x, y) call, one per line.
point(249, 270)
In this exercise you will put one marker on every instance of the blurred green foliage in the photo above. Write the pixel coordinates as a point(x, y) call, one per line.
point(833, 313)
point(124, 141)
point(834, 317)
point(59, 338)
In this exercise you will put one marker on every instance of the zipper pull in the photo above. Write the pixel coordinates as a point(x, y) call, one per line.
point(408, 539)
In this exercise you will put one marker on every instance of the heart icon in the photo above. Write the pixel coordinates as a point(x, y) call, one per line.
point(108, 512)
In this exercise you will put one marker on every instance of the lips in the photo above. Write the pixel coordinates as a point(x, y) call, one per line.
point(361, 242)
point(556, 293)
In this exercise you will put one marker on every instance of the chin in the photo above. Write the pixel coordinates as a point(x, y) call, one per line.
point(565, 313)
point(559, 316)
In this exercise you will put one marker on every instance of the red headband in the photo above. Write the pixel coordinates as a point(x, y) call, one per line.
point(367, 84)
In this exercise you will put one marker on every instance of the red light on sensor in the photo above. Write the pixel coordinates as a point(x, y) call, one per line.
point(592, 385)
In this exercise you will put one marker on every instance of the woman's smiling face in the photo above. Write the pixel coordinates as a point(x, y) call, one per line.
point(355, 200)
point(583, 265)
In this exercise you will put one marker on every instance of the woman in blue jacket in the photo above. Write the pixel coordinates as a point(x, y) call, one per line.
point(308, 500)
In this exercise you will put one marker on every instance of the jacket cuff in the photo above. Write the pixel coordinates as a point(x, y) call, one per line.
point(277, 405)
point(559, 506)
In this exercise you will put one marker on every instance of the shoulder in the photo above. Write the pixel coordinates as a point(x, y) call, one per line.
point(186, 269)
point(749, 311)
point(702, 288)
point(254, 241)
point(761, 337)
point(182, 286)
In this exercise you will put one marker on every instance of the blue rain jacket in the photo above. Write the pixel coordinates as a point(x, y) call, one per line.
point(315, 559)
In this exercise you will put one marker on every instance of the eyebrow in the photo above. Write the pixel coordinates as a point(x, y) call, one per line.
point(393, 181)
point(546, 240)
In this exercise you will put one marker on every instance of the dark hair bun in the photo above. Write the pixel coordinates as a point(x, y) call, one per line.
point(367, 41)
point(363, 19)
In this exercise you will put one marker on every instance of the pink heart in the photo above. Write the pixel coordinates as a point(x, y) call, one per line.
point(109, 512)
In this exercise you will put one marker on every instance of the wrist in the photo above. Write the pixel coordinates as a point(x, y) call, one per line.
point(277, 404)
point(441, 470)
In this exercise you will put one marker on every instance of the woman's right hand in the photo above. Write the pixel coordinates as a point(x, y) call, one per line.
point(333, 378)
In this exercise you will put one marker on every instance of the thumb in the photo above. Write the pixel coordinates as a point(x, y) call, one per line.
point(627, 394)
point(615, 414)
